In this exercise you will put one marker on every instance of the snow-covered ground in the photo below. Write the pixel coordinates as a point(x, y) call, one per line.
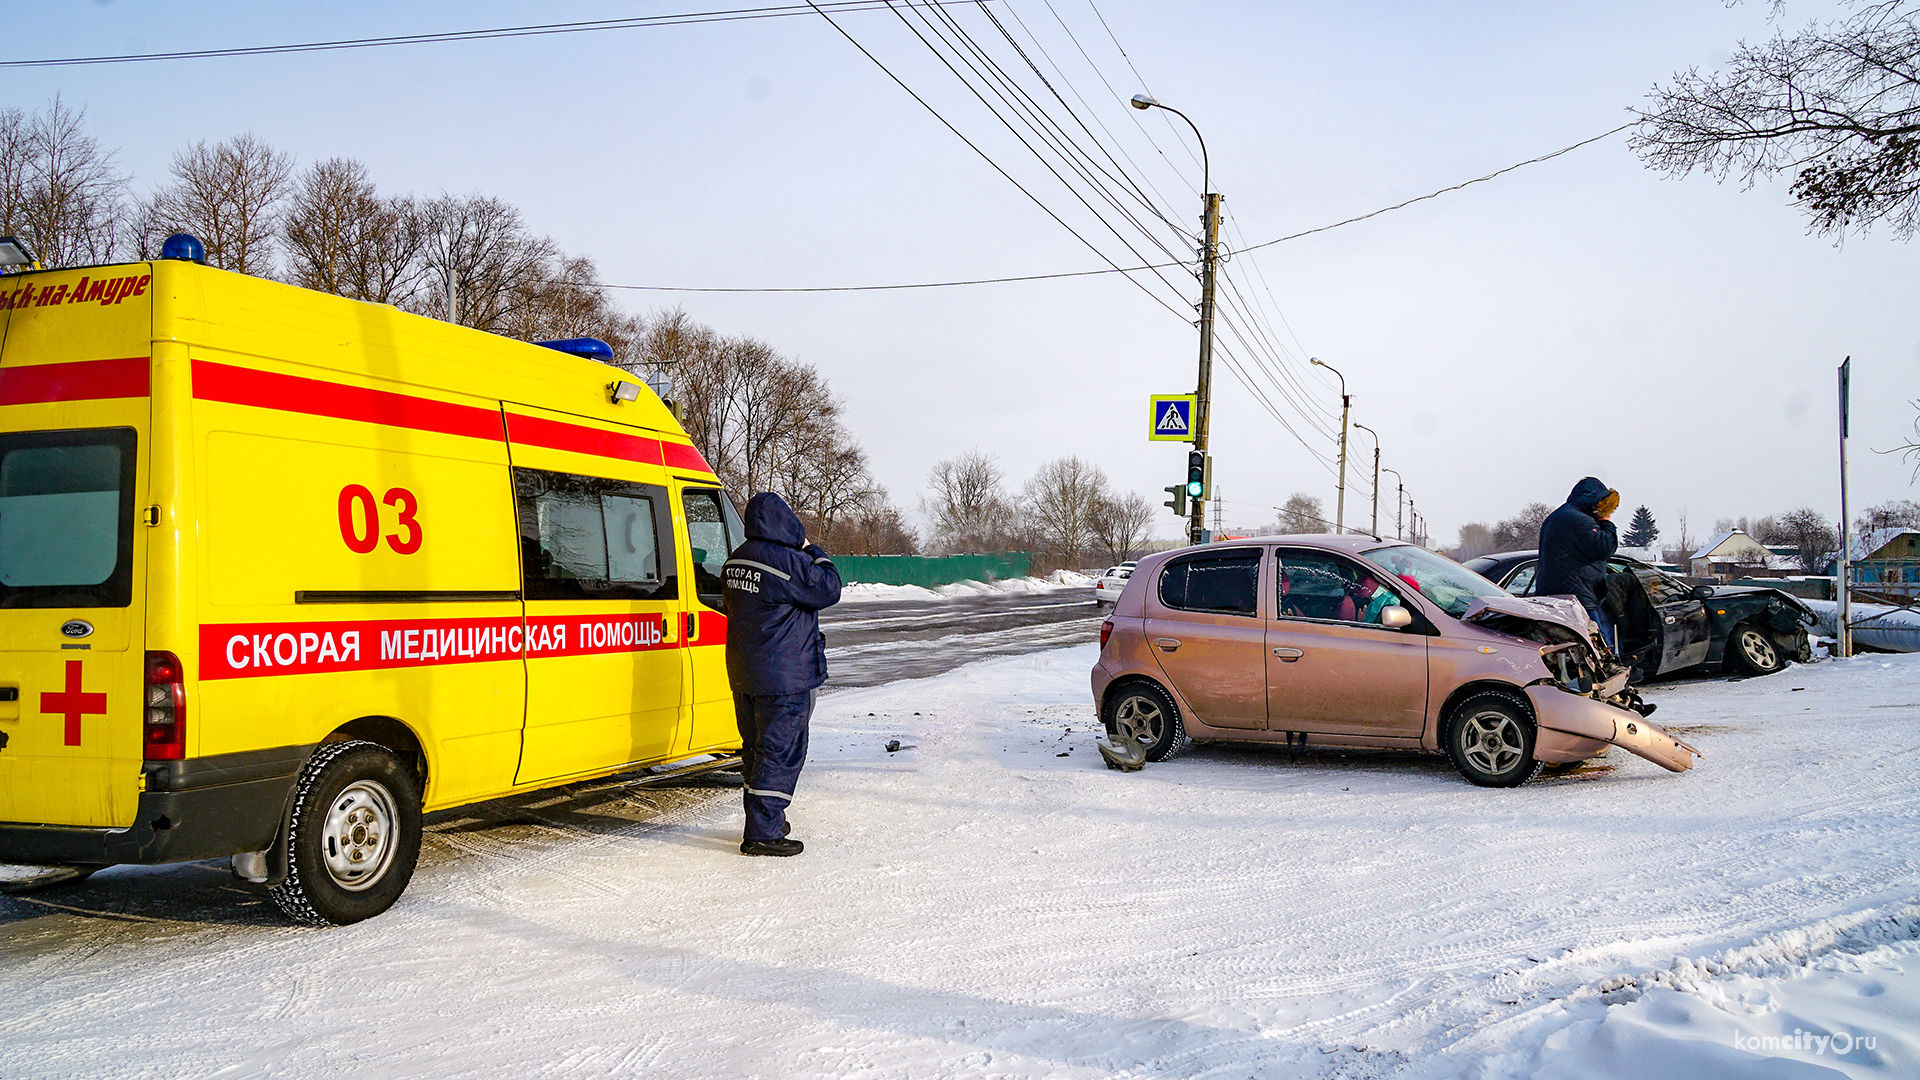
point(1059, 579)
point(990, 901)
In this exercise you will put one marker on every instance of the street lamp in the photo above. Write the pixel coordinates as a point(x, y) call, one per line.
point(1376, 477)
point(1209, 248)
point(1346, 404)
point(1399, 499)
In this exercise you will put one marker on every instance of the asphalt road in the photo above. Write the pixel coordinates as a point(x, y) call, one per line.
point(870, 642)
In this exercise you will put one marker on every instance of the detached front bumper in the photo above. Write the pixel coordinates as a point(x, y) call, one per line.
point(1570, 723)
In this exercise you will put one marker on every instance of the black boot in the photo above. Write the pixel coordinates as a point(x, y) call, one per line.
point(781, 847)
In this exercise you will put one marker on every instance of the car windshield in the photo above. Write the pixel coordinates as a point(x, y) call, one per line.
point(1437, 577)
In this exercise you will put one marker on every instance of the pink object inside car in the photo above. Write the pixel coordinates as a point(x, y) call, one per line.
point(1351, 641)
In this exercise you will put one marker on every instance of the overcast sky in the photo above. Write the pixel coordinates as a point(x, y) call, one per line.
point(1677, 338)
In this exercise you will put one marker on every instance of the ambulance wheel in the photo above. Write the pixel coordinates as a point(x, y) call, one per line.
point(355, 835)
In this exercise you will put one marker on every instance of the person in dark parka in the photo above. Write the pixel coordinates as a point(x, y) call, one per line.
point(1575, 543)
point(776, 584)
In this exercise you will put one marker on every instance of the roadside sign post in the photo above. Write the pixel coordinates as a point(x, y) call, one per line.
point(1843, 615)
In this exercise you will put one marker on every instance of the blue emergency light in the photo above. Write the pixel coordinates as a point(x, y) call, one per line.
point(184, 246)
point(589, 347)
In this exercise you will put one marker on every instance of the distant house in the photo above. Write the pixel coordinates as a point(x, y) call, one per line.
point(1886, 557)
point(1734, 554)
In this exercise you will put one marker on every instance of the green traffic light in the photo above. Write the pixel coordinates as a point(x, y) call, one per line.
point(1194, 488)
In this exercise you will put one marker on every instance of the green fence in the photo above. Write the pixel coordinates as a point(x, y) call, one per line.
point(931, 570)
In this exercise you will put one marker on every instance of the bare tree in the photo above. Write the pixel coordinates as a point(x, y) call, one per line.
point(1893, 514)
point(229, 195)
point(1837, 106)
point(967, 505)
point(1522, 530)
point(1062, 497)
point(59, 191)
point(1303, 513)
point(1816, 538)
point(1910, 451)
point(874, 526)
point(1476, 538)
point(343, 237)
point(495, 265)
point(1120, 524)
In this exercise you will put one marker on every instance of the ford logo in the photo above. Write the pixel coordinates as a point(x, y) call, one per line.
point(76, 628)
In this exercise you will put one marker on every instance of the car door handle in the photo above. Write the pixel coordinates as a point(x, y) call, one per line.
point(1167, 643)
point(1287, 654)
point(1671, 619)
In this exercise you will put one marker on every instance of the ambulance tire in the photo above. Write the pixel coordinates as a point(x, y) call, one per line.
point(355, 835)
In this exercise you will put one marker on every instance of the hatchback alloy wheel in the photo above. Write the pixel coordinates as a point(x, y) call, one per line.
point(1754, 651)
point(1145, 713)
point(1490, 740)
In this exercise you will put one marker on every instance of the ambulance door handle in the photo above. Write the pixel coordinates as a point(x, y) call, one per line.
point(690, 625)
point(9, 693)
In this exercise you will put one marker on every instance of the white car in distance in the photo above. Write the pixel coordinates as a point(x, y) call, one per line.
point(1109, 586)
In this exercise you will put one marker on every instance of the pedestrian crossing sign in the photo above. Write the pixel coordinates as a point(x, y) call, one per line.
point(1172, 418)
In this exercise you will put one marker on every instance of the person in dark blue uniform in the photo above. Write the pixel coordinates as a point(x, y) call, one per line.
point(1575, 543)
point(776, 585)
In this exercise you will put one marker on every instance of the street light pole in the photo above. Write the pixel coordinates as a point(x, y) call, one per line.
point(1340, 485)
point(1399, 498)
point(1209, 253)
point(1375, 531)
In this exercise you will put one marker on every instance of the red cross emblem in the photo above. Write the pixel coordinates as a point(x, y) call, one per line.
point(72, 703)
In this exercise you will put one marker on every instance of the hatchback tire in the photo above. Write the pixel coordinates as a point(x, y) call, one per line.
point(1490, 740)
point(1750, 649)
point(1150, 714)
point(355, 835)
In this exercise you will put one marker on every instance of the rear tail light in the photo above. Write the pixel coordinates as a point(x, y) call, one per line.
point(1106, 631)
point(164, 733)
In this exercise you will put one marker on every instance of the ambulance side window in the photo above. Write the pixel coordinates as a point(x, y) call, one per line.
point(589, 538)
point(713, 531)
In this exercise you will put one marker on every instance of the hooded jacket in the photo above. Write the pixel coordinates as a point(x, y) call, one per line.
point(1575, 546)
point(775, 588)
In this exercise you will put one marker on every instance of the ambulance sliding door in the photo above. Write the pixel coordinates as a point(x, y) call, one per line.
point(600, 574)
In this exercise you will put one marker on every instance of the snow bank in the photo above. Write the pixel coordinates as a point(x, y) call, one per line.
point(1059, 579)
point(990, 901)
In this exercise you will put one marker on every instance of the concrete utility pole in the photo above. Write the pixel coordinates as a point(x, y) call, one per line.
point(1340, 485)
point(1209, 250)
point(1399, 497)
point(1375, 531)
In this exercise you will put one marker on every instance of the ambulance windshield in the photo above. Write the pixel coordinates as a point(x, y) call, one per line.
point(65, 500)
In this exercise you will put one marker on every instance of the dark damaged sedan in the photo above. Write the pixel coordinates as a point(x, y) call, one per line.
point(1667, 625)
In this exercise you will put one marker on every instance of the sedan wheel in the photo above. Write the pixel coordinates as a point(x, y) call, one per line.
point(1490, 740)
point(1144, 713)
point(1752, 650)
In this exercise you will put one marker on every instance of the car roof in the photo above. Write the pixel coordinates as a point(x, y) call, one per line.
point(1349, 543)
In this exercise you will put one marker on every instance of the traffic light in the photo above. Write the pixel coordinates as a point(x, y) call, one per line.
point(1177, 504)
point(1198, 468)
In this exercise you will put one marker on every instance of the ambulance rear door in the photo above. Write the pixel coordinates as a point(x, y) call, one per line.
point(75, 417)
point(600, 567)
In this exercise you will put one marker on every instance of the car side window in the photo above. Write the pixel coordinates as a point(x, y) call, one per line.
point(1663, 589)
point(1325, 588)
point(1227, 582)
point(1522, 582)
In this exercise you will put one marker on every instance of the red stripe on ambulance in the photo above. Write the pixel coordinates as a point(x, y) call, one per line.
point(554, 435)
point(317, 397)
point(257, 650)
point(84, 380)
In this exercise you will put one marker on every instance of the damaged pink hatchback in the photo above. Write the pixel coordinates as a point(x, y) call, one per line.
point(1348, 641)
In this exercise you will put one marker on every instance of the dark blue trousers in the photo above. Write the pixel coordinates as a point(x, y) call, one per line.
point(773, 741)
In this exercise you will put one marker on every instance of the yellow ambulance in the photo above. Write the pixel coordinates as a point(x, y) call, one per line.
point(281, 571)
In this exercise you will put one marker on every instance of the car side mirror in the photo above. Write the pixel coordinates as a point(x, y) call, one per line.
point(1702, 592)
point(1395, 617)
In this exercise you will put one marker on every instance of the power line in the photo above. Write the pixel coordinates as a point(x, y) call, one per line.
point(989, 160)
point(1113, 268)
point(1445, 190)
point(780, 11)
